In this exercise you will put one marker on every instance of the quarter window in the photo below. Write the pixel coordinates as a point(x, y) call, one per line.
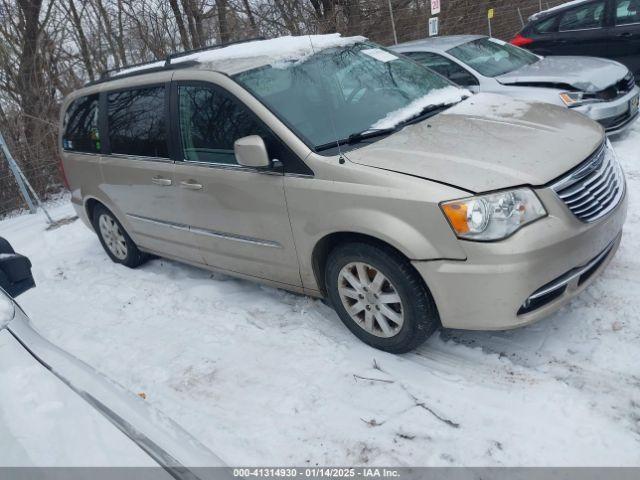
point(546, 26)
point(444, 67)
point(584, 17)
point(81, 132)
point(137, 124)
point(210, 122)
point(627, 12)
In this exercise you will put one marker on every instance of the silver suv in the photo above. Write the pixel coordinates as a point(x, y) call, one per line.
point(332, 167)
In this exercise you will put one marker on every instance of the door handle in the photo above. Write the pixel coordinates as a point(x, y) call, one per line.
point(625, 34)
point(165, 182)
point(191, 185)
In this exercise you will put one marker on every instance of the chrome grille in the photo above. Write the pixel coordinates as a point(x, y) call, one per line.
point(595, 188)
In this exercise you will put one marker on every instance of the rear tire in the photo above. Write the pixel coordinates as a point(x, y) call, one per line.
point(115, 240)
point(380, 297)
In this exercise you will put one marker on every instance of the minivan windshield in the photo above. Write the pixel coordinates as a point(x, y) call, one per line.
point(341, 92)
point(492, 57)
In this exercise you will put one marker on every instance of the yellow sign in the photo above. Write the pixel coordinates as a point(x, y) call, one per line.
point(490, 13)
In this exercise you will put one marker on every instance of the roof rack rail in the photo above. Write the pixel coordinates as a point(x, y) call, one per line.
point(105, 76)
point(112, 73)
point(211, 47)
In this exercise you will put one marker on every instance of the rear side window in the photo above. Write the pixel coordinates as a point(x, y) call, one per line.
point(546, 26)
point(81, 132)
point(444, 67)
point(584, 17)
point(137, 123)
point(210, 122)
point(627, 12)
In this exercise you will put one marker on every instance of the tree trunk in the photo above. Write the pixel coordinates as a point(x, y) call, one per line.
point(223, 26)
point(252, 20)
point(184, 36)
point(30, 73)
point(82, 40)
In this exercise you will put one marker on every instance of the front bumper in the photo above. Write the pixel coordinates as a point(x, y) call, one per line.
point(493, 288)
point(616, 115)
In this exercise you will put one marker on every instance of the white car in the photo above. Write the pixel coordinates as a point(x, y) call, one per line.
point(603, 90)
point(56, 411)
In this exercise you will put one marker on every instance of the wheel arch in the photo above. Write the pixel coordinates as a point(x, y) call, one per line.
point(326, 244)
point(90, 204)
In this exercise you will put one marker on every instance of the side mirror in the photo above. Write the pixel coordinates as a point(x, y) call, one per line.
point(15, 270)
point(251, 152)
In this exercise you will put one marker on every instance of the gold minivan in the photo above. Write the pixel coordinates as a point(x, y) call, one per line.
point(333, 167)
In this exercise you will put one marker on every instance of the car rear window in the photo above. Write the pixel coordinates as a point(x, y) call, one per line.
point(137, 123)
point(546, 26)
point(584, 17)
point(627, 12)
point(81, 126)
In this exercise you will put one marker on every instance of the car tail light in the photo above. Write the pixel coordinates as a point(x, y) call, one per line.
point(520, 41)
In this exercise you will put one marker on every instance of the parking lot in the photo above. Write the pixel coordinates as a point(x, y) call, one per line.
point(263, 377)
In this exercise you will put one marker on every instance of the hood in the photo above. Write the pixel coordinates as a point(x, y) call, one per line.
point(488, 142)
point(587, 74)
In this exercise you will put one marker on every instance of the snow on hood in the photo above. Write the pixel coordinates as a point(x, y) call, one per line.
point(277, 50)
point(6, 309)
point(588, 74)
point(442, 96)
point(488, 142)
point(557, 7)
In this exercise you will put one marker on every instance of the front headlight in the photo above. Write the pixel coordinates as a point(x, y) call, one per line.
point(575, 99)
point(493, 216)
point(572, 99)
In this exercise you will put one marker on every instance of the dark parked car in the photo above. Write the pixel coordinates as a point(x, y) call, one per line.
point(598, 28)
point(15, 270)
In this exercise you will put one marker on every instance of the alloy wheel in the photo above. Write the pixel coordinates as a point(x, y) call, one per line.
point(370, 299)
point(113, 236)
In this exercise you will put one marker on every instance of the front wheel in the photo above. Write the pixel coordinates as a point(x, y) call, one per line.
point(380, 297)
point(115, 240)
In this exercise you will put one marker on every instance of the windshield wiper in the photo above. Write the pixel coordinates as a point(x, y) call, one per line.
point(427, 112)
point(356, 138)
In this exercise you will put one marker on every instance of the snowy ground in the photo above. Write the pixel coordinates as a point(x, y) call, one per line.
point(262, 376)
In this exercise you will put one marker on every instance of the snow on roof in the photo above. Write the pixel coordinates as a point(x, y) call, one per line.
point(146, 66)
point(557, 7)
point(442, 96)
point(6, 309)
point(272, 51)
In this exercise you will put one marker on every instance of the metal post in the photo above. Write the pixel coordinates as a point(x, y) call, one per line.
point(393, 23)
point(521, 19)
point(489, 21)
point(540, 6)
point(35, 195)
point(17, 174)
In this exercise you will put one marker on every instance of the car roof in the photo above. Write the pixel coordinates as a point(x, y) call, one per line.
point(557, 9)
point(241, 56)
point(441, 44)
